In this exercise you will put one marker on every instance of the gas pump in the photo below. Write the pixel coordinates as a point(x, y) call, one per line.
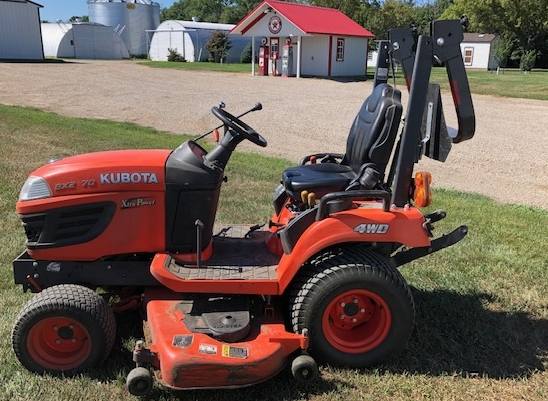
point(287, 59)
point(263, 60)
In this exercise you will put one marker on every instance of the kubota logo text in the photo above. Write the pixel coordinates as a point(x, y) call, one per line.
point(129, 178)
point(372, 228)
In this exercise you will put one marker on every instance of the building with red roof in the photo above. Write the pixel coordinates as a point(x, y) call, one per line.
point(299, 39)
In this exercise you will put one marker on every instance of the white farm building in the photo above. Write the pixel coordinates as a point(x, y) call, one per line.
point(477, 51)
point(299, 39)
point(189, 38)
point(82, 41)
point(20, 35)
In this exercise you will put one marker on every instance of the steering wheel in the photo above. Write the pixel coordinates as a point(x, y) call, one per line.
point(239, 126)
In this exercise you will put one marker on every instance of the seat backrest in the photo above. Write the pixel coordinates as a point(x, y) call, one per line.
point(373, 133)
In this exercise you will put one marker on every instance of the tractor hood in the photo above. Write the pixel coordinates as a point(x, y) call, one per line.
point(111, 171)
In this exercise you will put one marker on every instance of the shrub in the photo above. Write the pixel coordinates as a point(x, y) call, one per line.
point(245, 57)
point(175, 56)
point(527, 61)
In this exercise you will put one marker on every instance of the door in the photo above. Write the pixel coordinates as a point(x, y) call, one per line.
point(274, 60)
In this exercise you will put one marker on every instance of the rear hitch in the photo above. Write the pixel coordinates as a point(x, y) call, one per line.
point(431, 218)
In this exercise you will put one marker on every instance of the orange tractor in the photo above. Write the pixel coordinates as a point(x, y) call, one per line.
point(231, 305)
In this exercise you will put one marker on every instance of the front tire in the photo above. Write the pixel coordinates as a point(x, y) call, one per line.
point(139, 381)
point(64, 329)
point(304, 369)
point(357, 307)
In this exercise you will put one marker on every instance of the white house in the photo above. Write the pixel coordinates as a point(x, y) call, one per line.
point(315, 41)
point(189, 38)
point(82, 40)
point(20, 35)
point(477, 51)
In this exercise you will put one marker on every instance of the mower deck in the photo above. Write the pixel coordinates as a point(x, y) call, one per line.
point(189, 351)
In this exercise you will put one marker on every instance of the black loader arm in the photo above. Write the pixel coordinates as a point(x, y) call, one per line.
point(447, 36)
point(404, 47)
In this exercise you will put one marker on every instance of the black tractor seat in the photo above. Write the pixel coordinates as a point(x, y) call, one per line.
point(368, 149)
point(319, 178)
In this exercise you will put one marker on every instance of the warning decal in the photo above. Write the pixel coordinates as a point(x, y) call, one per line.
point(234, 352)
point(182, 341)
point(207, 349)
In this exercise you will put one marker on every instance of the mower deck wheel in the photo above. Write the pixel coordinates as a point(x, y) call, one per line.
point(64, 329)
point(304, 369)
point(139, 381)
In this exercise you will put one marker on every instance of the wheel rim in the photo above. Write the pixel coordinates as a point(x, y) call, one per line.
point(59, 343)
point(356, 321)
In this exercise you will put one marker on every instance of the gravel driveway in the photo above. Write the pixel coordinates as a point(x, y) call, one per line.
point(506, 159)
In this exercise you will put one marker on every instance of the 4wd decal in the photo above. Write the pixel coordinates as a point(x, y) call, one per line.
point(128, 178)
point(137, 202)
point(372, 228)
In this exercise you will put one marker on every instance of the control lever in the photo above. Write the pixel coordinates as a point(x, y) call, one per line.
point(304, 198)
point(311, 200)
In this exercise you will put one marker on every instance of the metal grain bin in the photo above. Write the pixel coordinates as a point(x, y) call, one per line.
point(129, 18)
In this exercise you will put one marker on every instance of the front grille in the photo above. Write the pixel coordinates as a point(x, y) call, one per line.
point(67, 225)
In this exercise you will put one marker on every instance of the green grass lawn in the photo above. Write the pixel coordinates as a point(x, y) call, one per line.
point(482, 311)
point(508, 83)
point(201, 66)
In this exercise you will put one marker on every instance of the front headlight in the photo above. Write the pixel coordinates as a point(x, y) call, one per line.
point(34, 188)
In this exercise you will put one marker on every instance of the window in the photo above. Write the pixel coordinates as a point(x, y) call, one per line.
point(340, 49)
point(468, 55)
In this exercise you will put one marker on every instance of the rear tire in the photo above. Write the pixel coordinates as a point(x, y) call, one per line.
point(357, 307)
point(64, 329)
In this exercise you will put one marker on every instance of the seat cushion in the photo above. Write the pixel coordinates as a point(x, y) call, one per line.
point(319, 178)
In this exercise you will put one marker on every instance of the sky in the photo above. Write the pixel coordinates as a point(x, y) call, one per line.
point(65, 9)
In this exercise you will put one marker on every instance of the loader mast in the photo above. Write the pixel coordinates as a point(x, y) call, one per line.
point(417, 55)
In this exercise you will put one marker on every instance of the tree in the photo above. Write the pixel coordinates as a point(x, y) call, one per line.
point(484, 15)
point(502, 49)
point(218, 46)
point(203, 10)
point(347, 7)
point(76, 18)
point(424, 14)
point(222, 11)
point(234, 12)
point(395, 14)
point(526, 21)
